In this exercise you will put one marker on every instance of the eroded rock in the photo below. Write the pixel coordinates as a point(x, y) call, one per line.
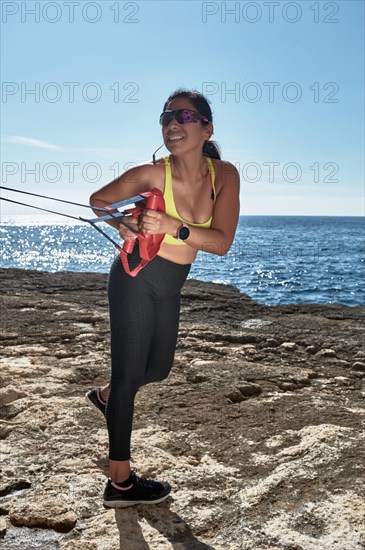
point(262, 441)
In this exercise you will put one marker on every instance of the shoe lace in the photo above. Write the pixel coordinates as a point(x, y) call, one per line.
point(143, 482)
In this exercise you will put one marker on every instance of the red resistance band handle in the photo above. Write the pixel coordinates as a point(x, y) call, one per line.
point(149, 245)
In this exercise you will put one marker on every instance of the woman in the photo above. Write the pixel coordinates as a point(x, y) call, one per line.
point(202, 206)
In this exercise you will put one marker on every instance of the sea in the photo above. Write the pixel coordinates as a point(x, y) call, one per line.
point(275, 260)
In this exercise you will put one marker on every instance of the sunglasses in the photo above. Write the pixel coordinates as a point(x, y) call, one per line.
point(182, 116)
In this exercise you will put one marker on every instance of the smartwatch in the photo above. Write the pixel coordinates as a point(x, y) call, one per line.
point(183, 232)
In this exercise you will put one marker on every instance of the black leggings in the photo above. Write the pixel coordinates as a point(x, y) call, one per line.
point(144, 320)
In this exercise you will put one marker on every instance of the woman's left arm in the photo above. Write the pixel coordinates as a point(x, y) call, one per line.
point(219, 237)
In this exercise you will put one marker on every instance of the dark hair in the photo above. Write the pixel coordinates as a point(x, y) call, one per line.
point(201, 104)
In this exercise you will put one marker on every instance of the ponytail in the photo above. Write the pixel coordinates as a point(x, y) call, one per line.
point(211, 149)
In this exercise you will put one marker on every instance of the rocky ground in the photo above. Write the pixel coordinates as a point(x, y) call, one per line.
point(258, 428)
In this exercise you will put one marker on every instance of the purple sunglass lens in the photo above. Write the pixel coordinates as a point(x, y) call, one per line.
point(188, 116)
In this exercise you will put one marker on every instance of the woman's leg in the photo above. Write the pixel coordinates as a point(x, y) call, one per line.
point(104, 390)
point(120, 470)
point(131, 343)
point(144, 315)
point(144, 319)
point(163, 346)
point(161, 356)
point(132, 309)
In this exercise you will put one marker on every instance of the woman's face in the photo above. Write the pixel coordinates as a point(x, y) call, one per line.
point(181, 138)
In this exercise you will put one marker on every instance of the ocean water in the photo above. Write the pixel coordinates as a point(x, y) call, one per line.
point(275, 260)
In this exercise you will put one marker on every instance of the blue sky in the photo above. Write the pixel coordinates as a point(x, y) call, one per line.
point(285, 80)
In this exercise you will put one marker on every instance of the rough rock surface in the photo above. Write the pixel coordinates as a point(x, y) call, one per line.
point(258, 428)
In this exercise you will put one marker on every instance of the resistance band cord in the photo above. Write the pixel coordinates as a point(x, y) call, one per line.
point(109, 215)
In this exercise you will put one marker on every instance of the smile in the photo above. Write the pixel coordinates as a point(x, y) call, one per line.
point(175, 138)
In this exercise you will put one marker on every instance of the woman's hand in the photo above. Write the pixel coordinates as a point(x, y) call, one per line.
point(154, 222)
point(125, 233)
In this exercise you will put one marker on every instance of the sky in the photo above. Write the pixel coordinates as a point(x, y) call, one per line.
point(84, 83)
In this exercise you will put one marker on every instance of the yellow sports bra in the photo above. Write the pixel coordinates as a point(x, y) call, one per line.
point(170, 203)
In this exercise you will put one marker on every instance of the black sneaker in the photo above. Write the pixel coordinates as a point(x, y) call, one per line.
point(94, 398)
point(140, 491)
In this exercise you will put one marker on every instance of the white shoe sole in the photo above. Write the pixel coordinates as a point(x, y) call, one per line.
point(126, 503)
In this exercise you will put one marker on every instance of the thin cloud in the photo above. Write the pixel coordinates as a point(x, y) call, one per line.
point(31, 142)
point(102, 152)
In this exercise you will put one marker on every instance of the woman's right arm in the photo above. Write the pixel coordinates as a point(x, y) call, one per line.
point(131, 183)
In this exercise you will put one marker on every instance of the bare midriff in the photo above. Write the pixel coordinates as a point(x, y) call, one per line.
point(178, 254)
